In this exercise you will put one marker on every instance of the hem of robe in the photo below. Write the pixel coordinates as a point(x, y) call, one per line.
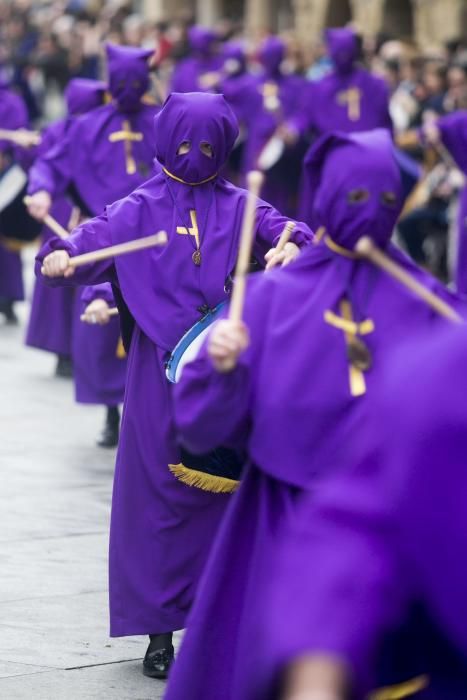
point(11, 295)
point(54, 348)
point(161, 625)
point(110, 399)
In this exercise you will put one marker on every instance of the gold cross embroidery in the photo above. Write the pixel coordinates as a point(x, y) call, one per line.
point(351, 329)
point(351, 98)
point(127, 136)
point(193, 231)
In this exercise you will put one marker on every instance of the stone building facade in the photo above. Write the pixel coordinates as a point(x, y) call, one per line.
point(427, 21)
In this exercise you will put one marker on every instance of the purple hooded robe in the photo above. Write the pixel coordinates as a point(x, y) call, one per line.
point(161, 529)
point(13, 115)
point(203, 59)
point(349, 98)
point(399, 520)
point(272, 99)
point(237, 84)
point(453, 128)
point(105, 154)
point(293, 400)
point(51, 317)
point(99, 358)
point(108, 153)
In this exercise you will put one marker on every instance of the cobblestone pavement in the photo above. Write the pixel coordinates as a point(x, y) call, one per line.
point(55, 491)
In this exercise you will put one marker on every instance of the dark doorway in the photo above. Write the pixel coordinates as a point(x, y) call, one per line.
point(398, 18)
point(233, 10)
point(339, 13)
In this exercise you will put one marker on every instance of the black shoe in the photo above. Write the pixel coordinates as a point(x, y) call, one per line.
point(64, 367)
point(156, 664)
point(7, 309)
point(110, 434)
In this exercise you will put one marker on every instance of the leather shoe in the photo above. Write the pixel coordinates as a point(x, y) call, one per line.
point(109, 436)
point(64, 368)
point(7, 309)
point(156, 664)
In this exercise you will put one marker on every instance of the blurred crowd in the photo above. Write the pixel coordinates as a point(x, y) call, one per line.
point(43, 46)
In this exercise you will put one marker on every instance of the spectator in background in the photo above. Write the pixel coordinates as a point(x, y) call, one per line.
point(456, 95)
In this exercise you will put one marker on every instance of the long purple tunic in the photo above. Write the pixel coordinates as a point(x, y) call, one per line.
point(272, 99)
point(161, 529)
point(453, 130)
point(13, 115)
point(389, 532)
point(203, 59)
point(99, 360)
point(51, 318)
point(105, 154)
point(237, 85)
point(349, 98)
point(295, 402)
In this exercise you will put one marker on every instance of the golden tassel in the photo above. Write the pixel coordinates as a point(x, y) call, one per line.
point(120, 353)
point(402, 690)
point(202, 480)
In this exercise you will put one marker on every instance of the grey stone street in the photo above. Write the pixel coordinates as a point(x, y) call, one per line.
point(55, 489)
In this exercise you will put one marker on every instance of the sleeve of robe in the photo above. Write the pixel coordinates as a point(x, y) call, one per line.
point(380, 100)
point(92, 235)
point(53, 171)
point(453, 128)
point(270, 225)
point(337, 584)
point(98, 291)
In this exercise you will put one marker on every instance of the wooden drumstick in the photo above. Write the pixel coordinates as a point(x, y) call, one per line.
point(49, 221)
point(114, 251)
point(367, 249)
point(444, 154)
point(285, 236)
point(22, 137)
point(254, 180)
point(283, 240)
point(112, 312)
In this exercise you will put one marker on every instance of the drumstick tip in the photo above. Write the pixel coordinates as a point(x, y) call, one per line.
point(364, 246)
point(255, 179)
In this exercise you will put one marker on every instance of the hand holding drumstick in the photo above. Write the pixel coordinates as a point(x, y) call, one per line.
point(230, 337)
point(61, 264)
point(285, 251)
point(98, 311)
point(226, 343)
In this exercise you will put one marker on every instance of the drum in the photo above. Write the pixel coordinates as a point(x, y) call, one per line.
point(15, 222)
point(271, 154)
point(189, 345)
point(282, 164)
point(218, 471)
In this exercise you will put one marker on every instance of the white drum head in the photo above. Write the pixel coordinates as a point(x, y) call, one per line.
point(11, 185)
point(191, 352)
point(271, 153)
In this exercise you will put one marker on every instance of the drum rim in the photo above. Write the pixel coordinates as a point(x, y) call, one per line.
point(187, 338)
